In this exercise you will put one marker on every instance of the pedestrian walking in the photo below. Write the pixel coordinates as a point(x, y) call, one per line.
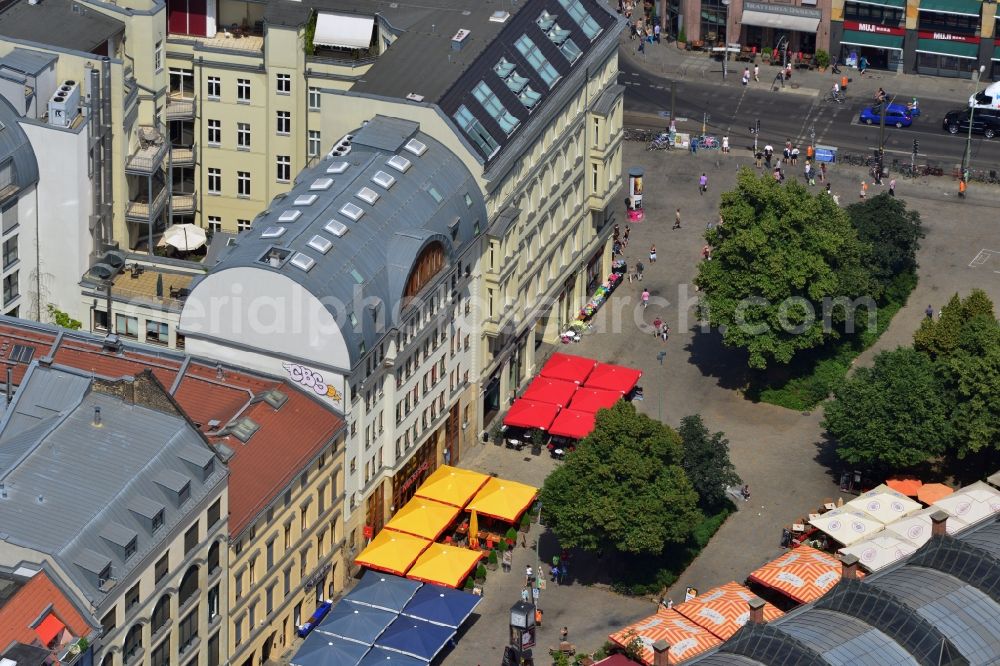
point(822, 172)
point(706, 253)
point(746, 76)
point(758, 158)
point(563, 572)
point(525, 595)
point(810, 152)
point(529, 575)
point(639, 266)
point(828, 186)
point(929, 312)
point(645, 298)
point(555, 574)
point(656, 33)
point(768, 153)
point(563, 634)
point(657, 323)
point(628, 230)
point(703, 183)
point(652, 254)
point(507, 560)
point(642, 44)
point(677, 219)
point(745, 492)
point(961, 188)
point(756, 72)
point(665, 331)
point(725, 144)
point(892, 187)
point(787, 152)
point(795, 155)
point(864, 189)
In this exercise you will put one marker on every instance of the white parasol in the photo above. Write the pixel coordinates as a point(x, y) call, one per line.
point(185, 237)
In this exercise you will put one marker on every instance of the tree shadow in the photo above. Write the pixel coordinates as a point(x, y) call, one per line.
point(727, 365)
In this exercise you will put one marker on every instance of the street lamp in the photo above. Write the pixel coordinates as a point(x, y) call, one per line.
point(976, 76)
point(522, 628)
point(725, 41)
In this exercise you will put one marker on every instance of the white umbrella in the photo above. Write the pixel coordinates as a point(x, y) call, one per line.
point(185, 237)
point(847, 526)
point(916, 527)
point(972, 503)
point(880, 550)
point(884, 504)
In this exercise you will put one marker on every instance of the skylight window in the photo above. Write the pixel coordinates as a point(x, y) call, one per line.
point(434, 194)
point(383, 179)
point(582, 18)
point(290, 216)
point(368, 195)
point(357, 276)
point(476, 132)
point(303, 262)
point(516, 83)
point(418, 148)
point(527, 48)
point(337, 167)
point(570, 50)
point(399, 163)
point(244, 429)
point(503, 68)
point(557, 35)
point(273, 232)
point(320, 243)
point(545, 21)
point(507, 121)
point(529, 98)
point(352, 211)
point(305, 199)
point(321, 184)
point(336, 227)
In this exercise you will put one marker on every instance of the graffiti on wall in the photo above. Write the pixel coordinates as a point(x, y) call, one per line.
point(312, 380)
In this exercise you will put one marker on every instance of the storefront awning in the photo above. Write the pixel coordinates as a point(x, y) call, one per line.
point(948, 48)
point(895, 4)
point(857, 38)
point(784, 21)
point(343, 31)
point(960, 7)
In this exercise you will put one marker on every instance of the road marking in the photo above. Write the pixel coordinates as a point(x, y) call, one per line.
point(982, 257)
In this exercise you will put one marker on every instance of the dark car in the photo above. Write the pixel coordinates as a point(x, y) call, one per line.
point(984, 121)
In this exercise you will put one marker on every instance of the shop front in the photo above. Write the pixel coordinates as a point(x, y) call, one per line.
point(995, 69)
point(945, 54)
point(594, 271)
point(774, 26)
point(880, 45)
point(419, 467)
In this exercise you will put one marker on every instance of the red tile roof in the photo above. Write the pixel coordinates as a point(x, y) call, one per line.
point(287, 440)
point(27, 604)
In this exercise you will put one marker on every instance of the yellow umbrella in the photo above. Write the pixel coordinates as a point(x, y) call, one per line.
point(444, 565)
point(474, 530)
point(451, 485)
point(392, 552)
point(503, 499)
point(423, 518)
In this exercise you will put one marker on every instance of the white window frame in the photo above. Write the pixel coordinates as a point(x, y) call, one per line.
point(283, 84)
point(214, 132)
point(214, 82)
point(214, 223)
point(315, 143)
point(243, 136)
point(158, 57)
point(315, 99)
point(243, 225)
point(283, 118)
point(283, 168)
point(243, 184)
point(214, 173)
point(242, 91)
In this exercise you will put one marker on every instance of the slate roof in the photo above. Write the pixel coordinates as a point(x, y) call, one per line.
point(14, 145)
point(60, 23)
point(27, 61)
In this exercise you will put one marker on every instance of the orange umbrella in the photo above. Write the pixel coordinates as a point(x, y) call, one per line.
point(932, 492)
point(685, 638)
point(908, 487)
point(724, 609)
point(474, 530)
point(803, 575)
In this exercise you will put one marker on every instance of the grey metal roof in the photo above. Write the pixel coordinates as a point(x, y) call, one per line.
point(607, 99)
point(27, 61)
point(14, 145)
point(985, 537)
point(62, 23)
point(846, 641)
point(81, 492)
point(376, 253)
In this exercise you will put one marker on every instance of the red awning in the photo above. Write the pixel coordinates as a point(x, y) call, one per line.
point(573, 424)
point(593, 399)
point(568, 367)
point(530, 414)
point(613, 377)
point(552, 391)
point(49, 628)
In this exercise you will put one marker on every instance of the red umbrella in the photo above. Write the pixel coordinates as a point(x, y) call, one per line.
point(552, 391)
point(592, 399)
point(613, 377)
point(573, 424)
point(530, 414)
point(907, 486)
point(568, 367)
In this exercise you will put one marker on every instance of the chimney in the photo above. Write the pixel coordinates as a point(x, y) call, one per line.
point(10, 384)
point(849, 567)
point(661, 653)
point(756, 610)
point(218, 371)
point(97, 417)
point(939, 523)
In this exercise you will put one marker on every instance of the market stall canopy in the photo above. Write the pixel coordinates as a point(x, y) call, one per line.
point(932, 492)
point(568, 367)
point(379, 657)
point(444, 565)
point(573, 424)
point(908, 487)
point(442, 605)
point(415, 638)
point(724, 609)
point(503, 499)
point(452, 485)
point(424, 518)
point(884, 504)
point(613, 378)
point(356, 622)
point(685, 638)
point(343, 30)
point(530, 414)
point(880, 550)
point(916, 528)
point(380, 590)
point(803, 575)
point(552, 391)
point(392, 552)
point(594, 399)
point(847, 525)
point(972, 503)
point(325, 650)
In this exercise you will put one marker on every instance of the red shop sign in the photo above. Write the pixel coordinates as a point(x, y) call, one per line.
point(424, 466)
point(368, 531)
point(948, 37)
point(874, 27)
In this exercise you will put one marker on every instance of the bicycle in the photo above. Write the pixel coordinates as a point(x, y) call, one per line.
point(660, 143)
point(836, 97)
point(708, 142)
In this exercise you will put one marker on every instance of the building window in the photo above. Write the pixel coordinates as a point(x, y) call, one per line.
point(238, 631)
point(213, 558)
point(252, 569)
point(284, 168)
point(269, 554)
point(133, 643)
point(238, 584)
point(269, 601)
point(188, 630)
point(283, 82)
point(157, 520)
point(191, 539)
point(243, 184)
point(593, 171)
point(288, 581)
point(189, 586)
point(125, 326)
point(242, 225)
point(213, 650)
point(288, 535)
point(284, 126)
point(132, 598)
point(162, 567)
point(158, 57)
point(315, 143)
point(214, 87)
point(303, 519)
point(157, 332)
point(130, 548)
point(243, 90)
point(527, 48)
point(10, 251)
point(321, 500)
point(252, 615)
point(213, 602)
point(214, 132)
point(314, 99)
point(109, 622)
point(161, 655)
point(243, 136)
point(476, 132)
point(161, 614)
point(215, 512)
point(214, 180)
point(10, 288)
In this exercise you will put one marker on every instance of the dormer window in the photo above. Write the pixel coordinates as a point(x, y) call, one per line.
point(158, 520)
point(130, 548)
point(185, 493)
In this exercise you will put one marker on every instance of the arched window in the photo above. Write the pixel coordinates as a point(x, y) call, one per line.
point(213, 558)
point(133, 643)
point(161, 613)
point(428, 264)
point(109, 659)
point(189, 585)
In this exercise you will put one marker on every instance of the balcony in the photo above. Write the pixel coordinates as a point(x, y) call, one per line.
point(180, 108)
point(245, 42)
point(143, 210)
point(183, 155)
point(184, 203)
point(147, 158)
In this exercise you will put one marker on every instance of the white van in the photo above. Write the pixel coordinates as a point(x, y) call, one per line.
point(987, 99)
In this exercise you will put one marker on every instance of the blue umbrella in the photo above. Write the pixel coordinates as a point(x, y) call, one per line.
point(380, 657)
point(355, 622)
point(415, 638)
point(442, 605)
point(323, 650)
point(382, 590)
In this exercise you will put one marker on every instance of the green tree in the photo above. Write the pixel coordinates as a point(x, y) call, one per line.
point(623, 488)
point(944, 336)
point(781, 256)
point(706, 462)
point(892, 415)
point(891, 234)
point(60, 318)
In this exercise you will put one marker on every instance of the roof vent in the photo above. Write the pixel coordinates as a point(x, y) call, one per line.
point(321, 184)
point(418, 148)
point(415, 97)
point(305, 200)
point(320, 244)
point(399, 163)
point(273, 232)
point(352, 211)
point(303, 262)
point(458, 40)
point(499, 16)
point(368, 195)
point(337, 167)
point(336, 227)
point(290, 215)
point(383, 179)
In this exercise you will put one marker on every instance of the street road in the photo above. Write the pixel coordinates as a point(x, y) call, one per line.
point(733, 108)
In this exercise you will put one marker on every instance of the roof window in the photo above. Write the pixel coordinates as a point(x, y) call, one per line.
point(527, 48)
point(244, 429)
point(529, 98)
point(516, 83)
point(21, 353)
point(357, 276)
point(352, 211)
point(484, 94)
point(320, 243)
point(321, 184)
point(582, 18)
point(545, 21)
point(274, 257)
point(273, 232)
point(336, 227)
point(499, 16)
point(337, 167)
point(418, 148)
point(504, 68)
point(368, 195)
point(275, 398)
point(290, 216)
point(431, 190)
point(383, 179)
point(303, 262)
point(474, 129)
point(570, 50)
point(305, 199)
point(399, 163)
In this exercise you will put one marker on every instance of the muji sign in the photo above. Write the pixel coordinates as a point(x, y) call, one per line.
point(874, 28)
point(948, 37)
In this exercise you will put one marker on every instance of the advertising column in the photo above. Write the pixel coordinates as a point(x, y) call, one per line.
point(634, 201)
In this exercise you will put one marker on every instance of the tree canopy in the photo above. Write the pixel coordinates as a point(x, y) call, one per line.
point(623, 488)
point(780, 252)
point(891, 235)
point(706, 462)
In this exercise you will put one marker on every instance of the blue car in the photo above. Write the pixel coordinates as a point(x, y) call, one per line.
point(896, 115)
